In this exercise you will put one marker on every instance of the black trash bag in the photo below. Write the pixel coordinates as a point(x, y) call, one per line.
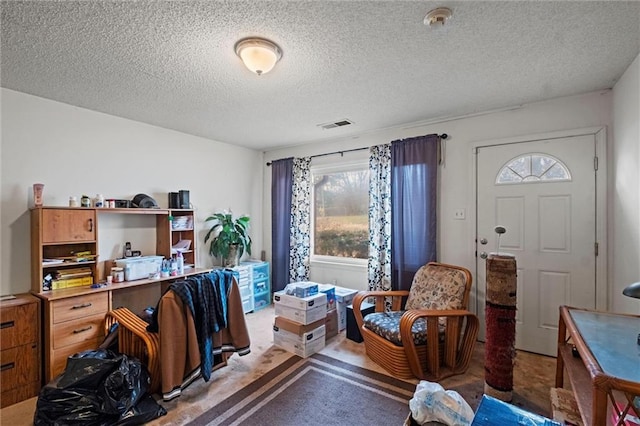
point(97, 388)
point(146, 410)
point(87, 370)
point(124, 387)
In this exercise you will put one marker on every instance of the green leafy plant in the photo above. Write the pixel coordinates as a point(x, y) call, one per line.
point(228, 235)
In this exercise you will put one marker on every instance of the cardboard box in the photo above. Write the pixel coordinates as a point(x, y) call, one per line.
point(302, 349)
point(344, 297)
point(331, 324)
point(302, 316)
point(330, 291)
point(307, 336)
point(305, 289)
point(296, 327)
point(283, 299)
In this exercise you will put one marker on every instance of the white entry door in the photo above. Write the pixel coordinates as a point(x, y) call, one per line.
point(544, 193)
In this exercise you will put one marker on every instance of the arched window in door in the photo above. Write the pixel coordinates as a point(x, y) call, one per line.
point(531, 168)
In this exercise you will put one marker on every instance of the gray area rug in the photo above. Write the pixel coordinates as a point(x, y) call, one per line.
point(315, 391)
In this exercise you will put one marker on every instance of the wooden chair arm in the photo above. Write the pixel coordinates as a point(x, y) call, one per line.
point(135, 340)
point(456, 350)
point(379, 296)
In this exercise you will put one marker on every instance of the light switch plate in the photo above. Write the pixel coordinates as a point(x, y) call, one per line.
point(459, 214)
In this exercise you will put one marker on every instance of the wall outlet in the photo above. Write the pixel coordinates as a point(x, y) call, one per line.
point(459, 214)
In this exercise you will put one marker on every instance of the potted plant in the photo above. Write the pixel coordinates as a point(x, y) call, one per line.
point(229, 237)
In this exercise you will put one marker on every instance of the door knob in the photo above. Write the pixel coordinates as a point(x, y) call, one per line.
point(483, 241)
point(483, 255)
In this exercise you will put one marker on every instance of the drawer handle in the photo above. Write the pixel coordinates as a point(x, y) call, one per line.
point(7, 366)
point(80, 330)
point(7, 324)
point(90, 225)
point(84, 305)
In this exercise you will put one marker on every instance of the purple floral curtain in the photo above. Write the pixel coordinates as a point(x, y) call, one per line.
point(414, 171)
point(281, 182)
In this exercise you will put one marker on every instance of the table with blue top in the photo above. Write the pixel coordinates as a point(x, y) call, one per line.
point(606, 365)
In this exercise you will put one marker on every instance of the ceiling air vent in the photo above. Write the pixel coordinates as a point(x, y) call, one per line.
point(333, 125)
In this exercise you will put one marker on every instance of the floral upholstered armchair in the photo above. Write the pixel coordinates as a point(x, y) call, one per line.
point(432, 336)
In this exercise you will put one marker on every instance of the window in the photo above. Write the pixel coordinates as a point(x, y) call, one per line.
point(340, 213)
point(533, 168)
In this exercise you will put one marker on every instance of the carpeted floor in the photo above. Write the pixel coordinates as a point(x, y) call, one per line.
point(533, 377)
point(316, 391)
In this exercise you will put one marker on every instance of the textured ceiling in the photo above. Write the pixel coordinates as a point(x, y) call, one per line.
point(172, 63)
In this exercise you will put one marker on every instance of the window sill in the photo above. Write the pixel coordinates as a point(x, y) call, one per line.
point(350, 265)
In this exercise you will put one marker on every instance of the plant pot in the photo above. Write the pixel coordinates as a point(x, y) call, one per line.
point(233, 259)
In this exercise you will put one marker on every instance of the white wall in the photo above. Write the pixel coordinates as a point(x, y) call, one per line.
point(456, 181)
point(625, 190)
point(75, 151)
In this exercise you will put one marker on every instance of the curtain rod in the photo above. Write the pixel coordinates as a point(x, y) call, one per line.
point(442, 136)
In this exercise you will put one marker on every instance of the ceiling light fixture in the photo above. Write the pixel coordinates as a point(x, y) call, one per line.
point(436, 18)
point(258, 54)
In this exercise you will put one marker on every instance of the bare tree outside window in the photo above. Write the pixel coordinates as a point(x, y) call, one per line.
point(340, 205)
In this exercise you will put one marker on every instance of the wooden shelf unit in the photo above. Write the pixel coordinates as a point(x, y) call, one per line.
point(58, 233)
point(73, 318)
point(168, 235)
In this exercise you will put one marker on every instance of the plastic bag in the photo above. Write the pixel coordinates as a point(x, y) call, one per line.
point(98, 388)
point(431, 403)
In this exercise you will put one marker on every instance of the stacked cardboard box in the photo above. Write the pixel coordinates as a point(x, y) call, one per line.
point(331, 323)
point(300, 322)
point(330, 291)
point(301, 339)
point(344, 297)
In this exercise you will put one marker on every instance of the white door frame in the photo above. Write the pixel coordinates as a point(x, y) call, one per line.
point(600, 135)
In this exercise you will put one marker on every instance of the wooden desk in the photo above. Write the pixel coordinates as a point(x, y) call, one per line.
point(609, 361)
point(73, 318)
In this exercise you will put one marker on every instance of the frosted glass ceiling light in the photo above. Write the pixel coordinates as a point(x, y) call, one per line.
point(258, 54)
point(437, 17)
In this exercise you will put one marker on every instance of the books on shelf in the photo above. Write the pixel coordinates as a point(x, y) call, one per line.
point(68, 273)
point(71, 282)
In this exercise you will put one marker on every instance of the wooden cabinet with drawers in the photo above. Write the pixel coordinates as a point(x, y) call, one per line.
point(75, 324)
point(20, 349)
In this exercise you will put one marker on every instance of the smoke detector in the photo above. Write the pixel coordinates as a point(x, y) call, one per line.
point(437, 17)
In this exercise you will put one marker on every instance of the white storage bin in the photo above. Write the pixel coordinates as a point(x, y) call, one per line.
point(137, 268)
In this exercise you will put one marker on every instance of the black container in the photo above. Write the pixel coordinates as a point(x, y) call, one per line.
point(174, 200)
point(183, 195)
point(352, 327)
